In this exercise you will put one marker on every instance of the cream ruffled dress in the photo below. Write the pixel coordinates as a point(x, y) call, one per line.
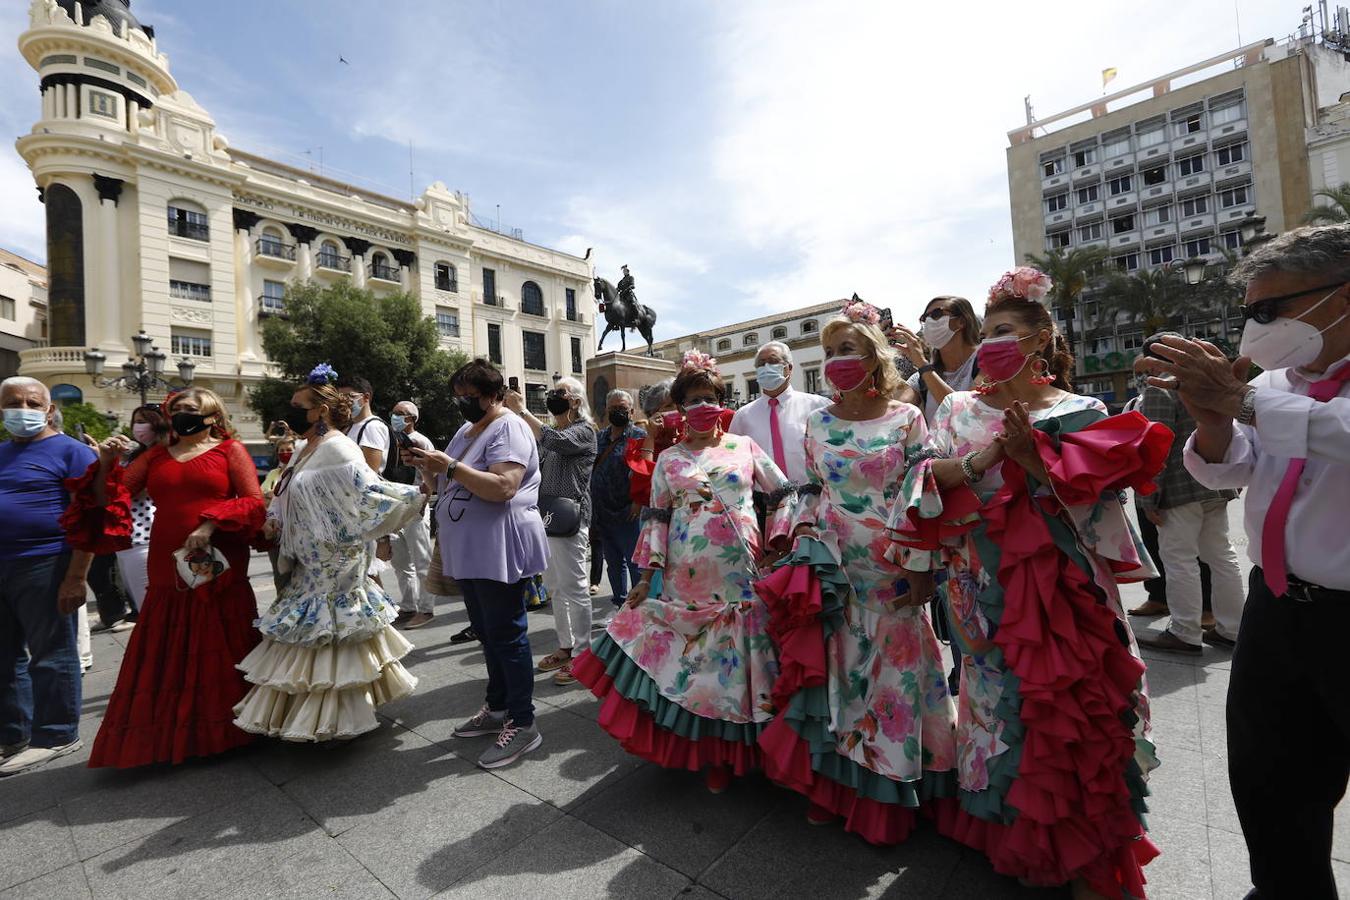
point(329, 654)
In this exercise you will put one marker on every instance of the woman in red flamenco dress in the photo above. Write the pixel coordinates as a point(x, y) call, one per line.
point(178, 683)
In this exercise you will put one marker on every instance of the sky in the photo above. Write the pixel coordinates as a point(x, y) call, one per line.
point(741, 157)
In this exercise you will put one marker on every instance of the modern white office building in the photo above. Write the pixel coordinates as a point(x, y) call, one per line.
point(155, 222)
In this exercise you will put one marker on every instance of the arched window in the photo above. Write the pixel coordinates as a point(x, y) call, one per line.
point(271, 243)
point(531, 299)
point(750, 339)
point(724, 345)
point(380, 267)
point(445, 278)
point(330, 257)
point(188, 220)
point(778, 334)
point(65, 266)
point(809, 326)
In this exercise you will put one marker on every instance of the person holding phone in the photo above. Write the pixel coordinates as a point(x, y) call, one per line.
point(493, 543)
point(950, 329)
point(410, 546)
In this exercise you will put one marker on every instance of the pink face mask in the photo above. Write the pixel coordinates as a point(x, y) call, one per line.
point(144, 433)
point(703, 417)
point(671, 421)
point(847, 373)
point(1001, 358)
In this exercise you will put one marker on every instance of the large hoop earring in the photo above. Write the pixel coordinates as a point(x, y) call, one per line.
point(1041, 372)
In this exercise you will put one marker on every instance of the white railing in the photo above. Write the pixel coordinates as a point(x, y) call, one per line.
point(52, 356)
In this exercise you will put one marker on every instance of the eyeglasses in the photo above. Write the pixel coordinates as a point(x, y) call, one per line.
point(938, 313)
point(1267, 309)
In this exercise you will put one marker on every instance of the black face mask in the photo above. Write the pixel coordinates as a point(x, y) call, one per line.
point(186, 423)
point(557, 404)
point(298, 420)
point(470, 409)
point(619, 418)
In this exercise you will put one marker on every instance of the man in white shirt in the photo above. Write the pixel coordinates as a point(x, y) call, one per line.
point(1285, 437)
point(410, 547)
point(777, 420)
point(370, 433)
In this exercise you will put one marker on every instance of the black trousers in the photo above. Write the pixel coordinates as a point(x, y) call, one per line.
point(1288, 739)
point(1157, 587)
point(113, 604)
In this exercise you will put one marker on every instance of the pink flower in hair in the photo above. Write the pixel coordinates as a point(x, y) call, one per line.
point(1024, 282)
point(859, 310)
point(696, 361)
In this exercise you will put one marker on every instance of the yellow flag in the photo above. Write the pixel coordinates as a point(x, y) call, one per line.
point(1107, 76)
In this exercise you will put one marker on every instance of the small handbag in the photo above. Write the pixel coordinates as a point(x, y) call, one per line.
point(561, 515)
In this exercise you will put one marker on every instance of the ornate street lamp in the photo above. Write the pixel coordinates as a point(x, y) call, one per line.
point(1195, 269)
point(140, 374)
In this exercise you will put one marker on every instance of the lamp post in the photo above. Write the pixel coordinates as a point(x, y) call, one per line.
point(1194, 269)
point(1253, 231)
point(141, 373)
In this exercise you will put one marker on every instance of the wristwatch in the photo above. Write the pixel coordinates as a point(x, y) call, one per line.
point(450, 469)
point(924, 370)
point(1247, 414)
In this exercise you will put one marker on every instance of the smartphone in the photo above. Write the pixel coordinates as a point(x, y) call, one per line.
point(513, 383)
point(79, 431)
point(403, 440)
point(887, 320)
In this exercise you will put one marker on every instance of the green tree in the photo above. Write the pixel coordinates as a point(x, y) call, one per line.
point(1150, 298)
point(1333, 213)
point(1072, 271)
point(95, 425)
point(386, 340)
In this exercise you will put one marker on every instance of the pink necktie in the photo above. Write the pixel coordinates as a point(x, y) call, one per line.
point(1277, 516)
point(776, 435)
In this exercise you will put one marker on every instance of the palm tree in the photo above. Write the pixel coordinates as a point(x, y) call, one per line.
point(1337, 212)
point(1071, 271)
point(1151, 298)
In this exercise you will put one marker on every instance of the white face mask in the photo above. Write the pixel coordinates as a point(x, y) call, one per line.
point(938, 333)
point(771, 376)
point(1285, 343)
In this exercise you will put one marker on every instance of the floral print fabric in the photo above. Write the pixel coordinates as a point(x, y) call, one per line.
point(703, 641)
point(888, 694)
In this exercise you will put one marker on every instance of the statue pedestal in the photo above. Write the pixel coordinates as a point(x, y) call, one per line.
point(627, 371)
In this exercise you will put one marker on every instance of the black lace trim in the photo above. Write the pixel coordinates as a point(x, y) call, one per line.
point(810, 490)
point(656, 515)
point(919, 454)
point(775, 498)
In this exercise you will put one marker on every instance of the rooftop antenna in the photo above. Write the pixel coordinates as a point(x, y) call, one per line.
point(412, 190)
point(1031, 116)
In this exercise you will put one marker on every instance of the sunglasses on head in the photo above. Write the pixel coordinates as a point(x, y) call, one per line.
point(1267, 309)
point(938, 313)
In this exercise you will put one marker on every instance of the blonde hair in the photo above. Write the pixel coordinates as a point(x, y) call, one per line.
point(208, 404)
point(875, 345)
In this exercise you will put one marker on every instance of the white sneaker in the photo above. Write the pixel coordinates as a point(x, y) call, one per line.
point(36, 758)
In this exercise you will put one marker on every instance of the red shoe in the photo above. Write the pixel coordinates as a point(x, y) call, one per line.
point(717, 779)
point(819, 815)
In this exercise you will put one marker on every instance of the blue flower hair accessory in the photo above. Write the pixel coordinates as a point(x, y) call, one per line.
point(323, 373)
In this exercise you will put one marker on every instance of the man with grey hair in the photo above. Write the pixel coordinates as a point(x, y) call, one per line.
point(777, 419)
point(410, 547)
point(614, 515)
point(1286, 437)
point(42, 582)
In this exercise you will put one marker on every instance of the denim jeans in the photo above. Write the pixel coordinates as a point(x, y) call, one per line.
point(618, 540)
point(39, 688)
point(497, 613)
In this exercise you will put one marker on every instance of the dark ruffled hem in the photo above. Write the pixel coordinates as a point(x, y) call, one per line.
point(657, 730)
point(94, 528)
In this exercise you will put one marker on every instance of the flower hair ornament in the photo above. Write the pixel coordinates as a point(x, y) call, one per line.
point(321, 374)
point(860, 311)
point(1022, 283)
point(697, 361)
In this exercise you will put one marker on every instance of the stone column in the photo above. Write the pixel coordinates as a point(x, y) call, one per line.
point(133, 117)
point(406, 260)
point(359, 248)
point(111, 335)
point(304, 253)
point(47, 104)
point(72, 101)
point(245, 307)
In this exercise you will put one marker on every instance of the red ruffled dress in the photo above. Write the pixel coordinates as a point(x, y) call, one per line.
point(178, 684)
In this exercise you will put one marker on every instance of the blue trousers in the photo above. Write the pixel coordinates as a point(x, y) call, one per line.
point(39, 659)
point(618, 540)
point(497, 613)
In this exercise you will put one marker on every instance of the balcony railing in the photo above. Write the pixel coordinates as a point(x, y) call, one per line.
point(384, 272)
point(573, 316)
point(275, 249)
point(534, 309)
point(450, 287)
point(494, 300)
point(188, 290)
point(272, 306)
point(193, 230)
point(334, 261)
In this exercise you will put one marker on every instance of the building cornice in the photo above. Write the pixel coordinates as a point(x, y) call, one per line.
point(751, 324)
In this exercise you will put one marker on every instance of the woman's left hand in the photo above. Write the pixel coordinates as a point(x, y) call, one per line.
point(909, 345)
point(1017, 440)
point(515, 402)
point(200, 538)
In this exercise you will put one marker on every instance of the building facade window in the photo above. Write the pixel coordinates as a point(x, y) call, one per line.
point(8, 310)
point(1056, 203)
point(1158, 215)
point(447, 322)
point(185, 222)
point(1191, 165)
point(1191, 124)
point(576, 356)
point(1194, 206)
point(536, 398)
point(1196, 247)
point(1084, 157)
point(1052, 167)
point(533, 344)
point(490, 288)
point(273, 296)
point(750, 340)
point(1232, 240)
point(1057, 241)
point(185, 342)
point(1232, 153)
point(1152, 137)
point(1238, 195)
point(532, 299)
point(1115, 146)
point(1154, 176)
point(571, 305)
point(445, 278)
point(188, 290)
point(751, 388)
point(723, 345)
point(1120, 185)
point(809, 326)
point(778, 334)
point(270, 243)
point(1159, 256)
point(1127, 262)
point(1225, 114)
point(1091, 232)
point(494, 343)
point(330, 257)
point(1122, 224)
point(1090, 194)
point(813, 384)
point(380, 268)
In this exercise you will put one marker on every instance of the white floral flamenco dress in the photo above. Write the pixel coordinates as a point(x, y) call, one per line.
point(329, 654)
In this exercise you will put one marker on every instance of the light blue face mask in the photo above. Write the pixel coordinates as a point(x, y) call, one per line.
point(771, 376)
point(25, 423)
point(397, 422)
point(358, 407)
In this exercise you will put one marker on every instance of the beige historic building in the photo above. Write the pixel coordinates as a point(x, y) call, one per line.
point(23, 308)
point(1172, 169)
point(154, 221)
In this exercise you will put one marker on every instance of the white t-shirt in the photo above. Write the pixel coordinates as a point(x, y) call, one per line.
point(372, 433)
point(963, 379)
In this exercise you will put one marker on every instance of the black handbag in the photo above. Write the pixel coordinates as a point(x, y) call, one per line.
point(561, 515)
